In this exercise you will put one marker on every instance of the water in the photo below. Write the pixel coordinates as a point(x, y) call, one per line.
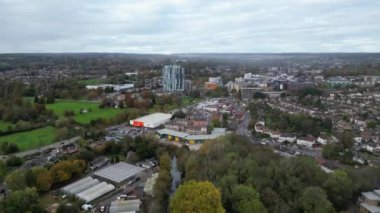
point(176, 175)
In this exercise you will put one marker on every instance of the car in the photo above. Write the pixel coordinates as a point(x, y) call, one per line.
point(87, 207)
point(102, 209)
point(122, 197)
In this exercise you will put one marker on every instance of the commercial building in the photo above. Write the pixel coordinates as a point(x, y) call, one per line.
point(88, 189)
point(173, 78)
point(118, 173)
point(152, 120)
point(178, 136)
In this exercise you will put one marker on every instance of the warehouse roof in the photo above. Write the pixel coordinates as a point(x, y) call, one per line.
point(125, 206)
point(80, 185)
point(153, 118)
point(96, 191)
point(172, 133)
point(119, 172)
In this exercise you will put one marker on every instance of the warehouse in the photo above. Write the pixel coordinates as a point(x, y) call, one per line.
point(125, 206)
point(95, 192)
point(119, 173)
point(80, 185)
point(152, 120)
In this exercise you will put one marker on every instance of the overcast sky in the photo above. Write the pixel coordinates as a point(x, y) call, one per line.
point(189, 26)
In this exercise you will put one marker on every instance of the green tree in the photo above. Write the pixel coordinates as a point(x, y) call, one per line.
point(195, 196)
point(165, 161)
point(22, 201)
point(314, 200)
point(245, 199)
point(16, 180)
point(339, 188)
point(347, 140)
point(3, 170)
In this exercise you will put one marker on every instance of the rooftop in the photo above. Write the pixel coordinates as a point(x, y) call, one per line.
point(119, 172)
point(154, 117)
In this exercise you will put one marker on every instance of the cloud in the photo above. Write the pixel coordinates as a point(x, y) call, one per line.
point(180, 26)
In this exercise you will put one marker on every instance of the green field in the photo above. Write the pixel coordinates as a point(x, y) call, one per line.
point(93, 110)
point(93, 81)
point(4, 125)
point(31, 139)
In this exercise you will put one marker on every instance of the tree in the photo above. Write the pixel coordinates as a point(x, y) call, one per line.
point(43, 179)
point(347, 140)
point(22, 201)
point(314, 200)
point(161, 189)
point(339, 188)
point(165, 161)
point(16, 180)
point(64, 170)
point(330, 151)
point(8, 148)
point(3, 170)
point(68, 208)
point(195, 196)
point(245, 199)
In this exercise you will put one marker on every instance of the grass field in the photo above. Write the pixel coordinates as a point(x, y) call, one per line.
point(31, 139)
point(94, 112)
point(93, 81)
point(4, 125)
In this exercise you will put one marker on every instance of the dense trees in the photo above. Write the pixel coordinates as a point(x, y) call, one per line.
point(195, 196)
point(254, 179)
point(21, 201)
point(314, 200)
point(64, 170)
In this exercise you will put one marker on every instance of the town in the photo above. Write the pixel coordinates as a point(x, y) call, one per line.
point(124, 142)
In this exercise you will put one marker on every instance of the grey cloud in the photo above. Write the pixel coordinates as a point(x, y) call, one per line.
point(174, 26)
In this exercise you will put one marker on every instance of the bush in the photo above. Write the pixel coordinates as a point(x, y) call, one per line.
point(8, 148)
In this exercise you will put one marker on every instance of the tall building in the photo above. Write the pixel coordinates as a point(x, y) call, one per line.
point(173, 78)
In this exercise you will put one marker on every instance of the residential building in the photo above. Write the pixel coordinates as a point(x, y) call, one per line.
point(307, 141)
point(173, 78)
point(370, 202)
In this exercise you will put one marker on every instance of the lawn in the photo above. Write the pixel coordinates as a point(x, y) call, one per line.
point(31, 139)
point(4, 125)
point(93, 110)
point(93, 81)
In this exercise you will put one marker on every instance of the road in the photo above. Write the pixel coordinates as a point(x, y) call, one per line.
point(41, 149)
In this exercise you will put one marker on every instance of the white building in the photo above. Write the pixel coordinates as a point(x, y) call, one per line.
point(307, 141)
point(287, 137)
point(152, 120)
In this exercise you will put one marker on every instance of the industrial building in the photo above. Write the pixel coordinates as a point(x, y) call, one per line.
point(88, 189)
point(173, 78)
point(118, 173)
point(188, 138)
point(122, 206)
point(152, 120)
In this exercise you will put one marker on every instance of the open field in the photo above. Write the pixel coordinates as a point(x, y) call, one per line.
point(31, 139)
point(4, 125)
point(93, 110)
point(93, 81)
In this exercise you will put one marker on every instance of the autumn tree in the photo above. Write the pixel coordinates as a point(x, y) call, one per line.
point(43, 178)
point(165, 161)
point(195, 196)
point(16, 180)
point(64, 170)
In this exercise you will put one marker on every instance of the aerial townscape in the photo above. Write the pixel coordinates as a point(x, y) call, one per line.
point(186, 106)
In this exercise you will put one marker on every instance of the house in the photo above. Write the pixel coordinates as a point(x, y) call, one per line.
point(371, 147)
point(307, 141)
point(370, 202)
point(287, 137)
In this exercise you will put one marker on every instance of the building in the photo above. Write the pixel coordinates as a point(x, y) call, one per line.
point(152, 120)
point(118, 173)
point(216, 80)
point(115, 87)
point(122, 206)
point(307, 141)
point(247, 92)
point(173, 78)
point(211, 86)
point(188, 85)
point(370, 202)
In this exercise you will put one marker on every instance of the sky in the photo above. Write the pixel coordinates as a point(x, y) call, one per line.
point(189, 26)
